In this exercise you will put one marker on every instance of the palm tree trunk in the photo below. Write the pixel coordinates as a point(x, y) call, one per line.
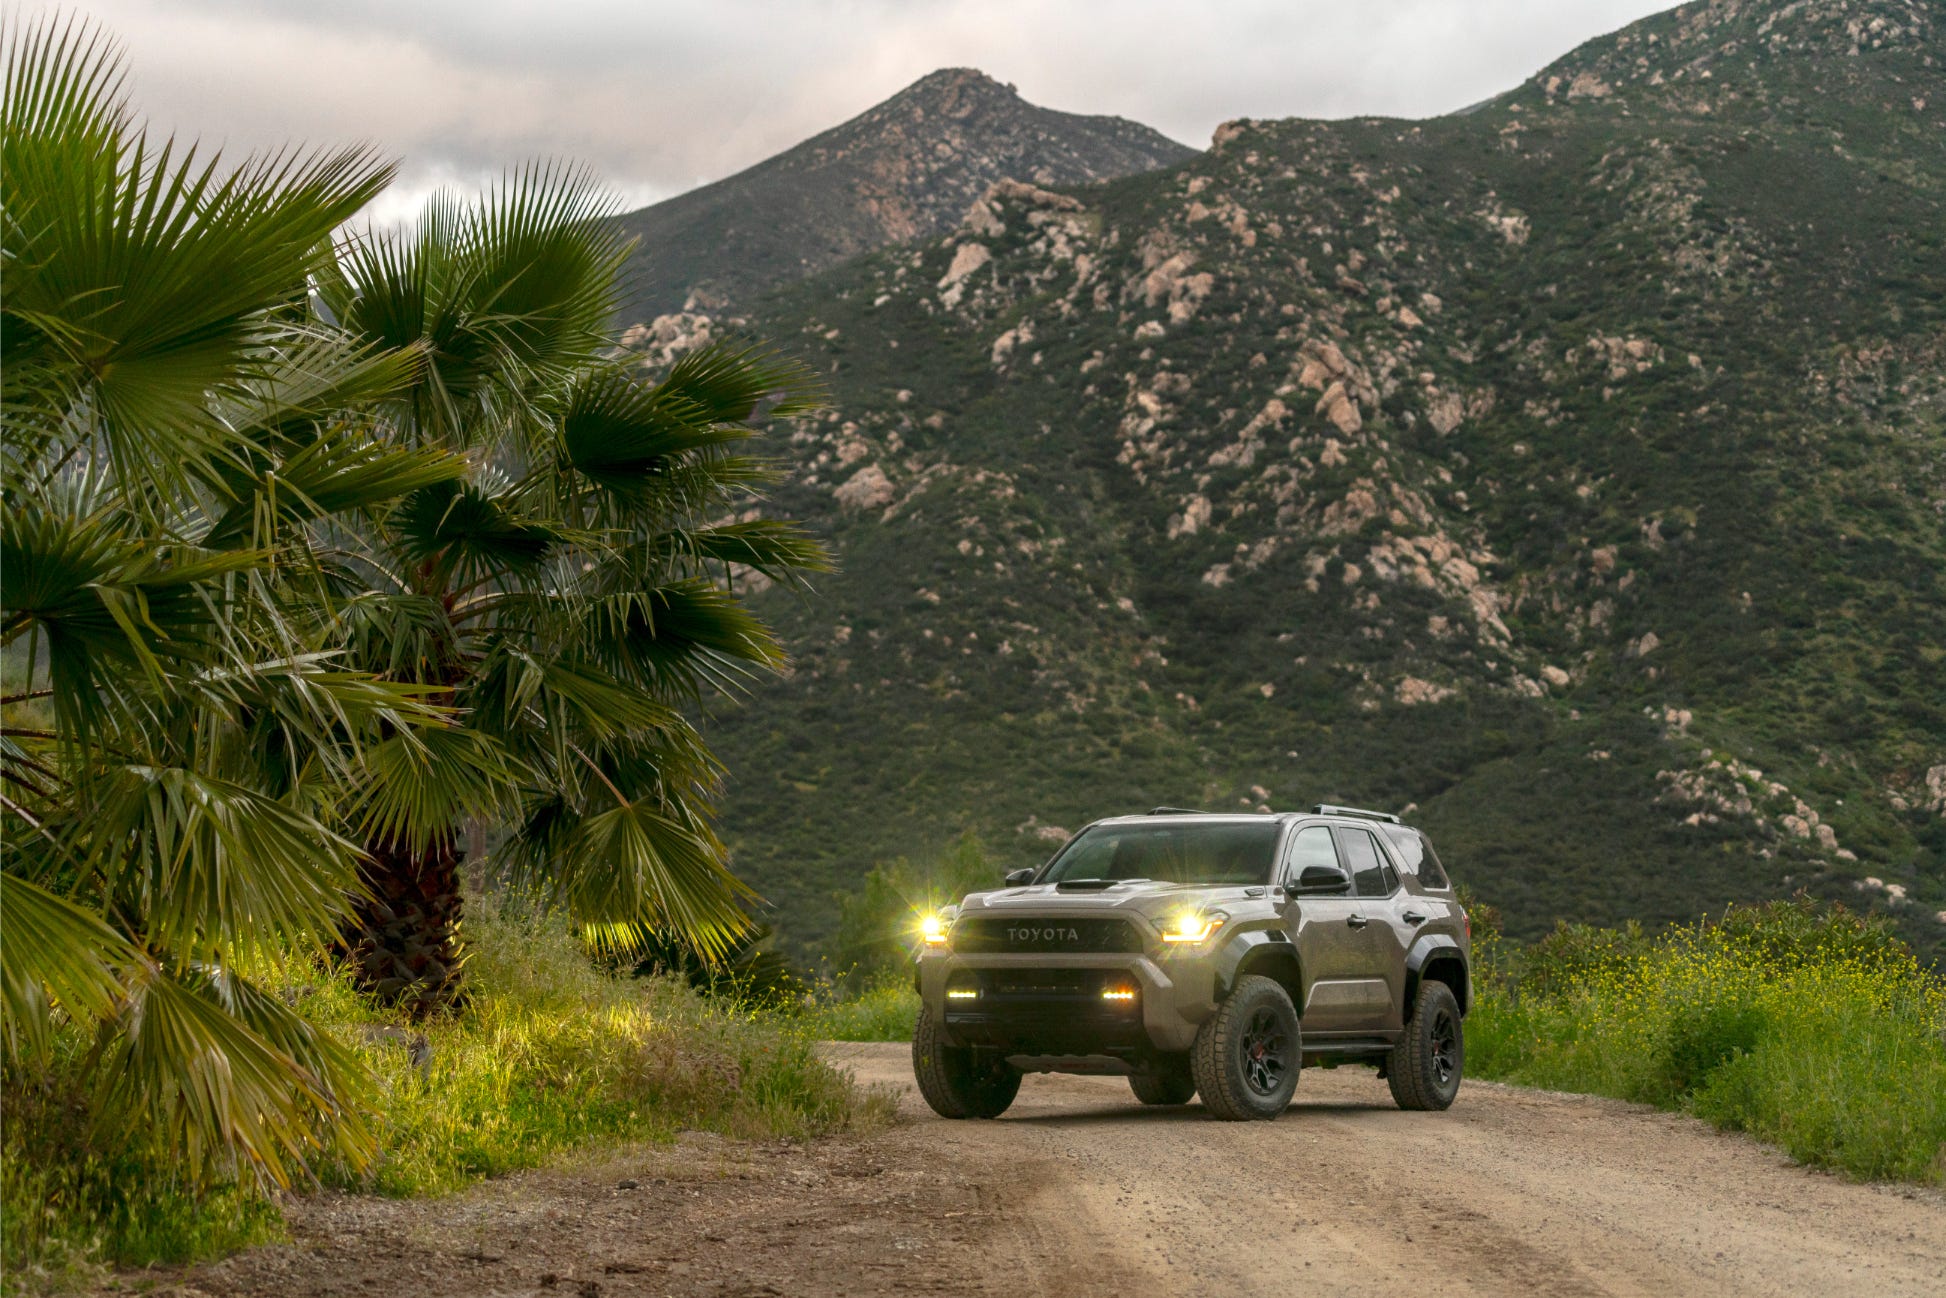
point(402, 941)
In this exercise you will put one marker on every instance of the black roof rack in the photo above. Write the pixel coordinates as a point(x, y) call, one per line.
point(1174, 811)
point(1326, 809)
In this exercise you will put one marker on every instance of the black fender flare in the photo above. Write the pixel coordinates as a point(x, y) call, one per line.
point(1240, 947)
point(1432, 947)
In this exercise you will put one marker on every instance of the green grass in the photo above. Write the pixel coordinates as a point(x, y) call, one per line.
point(551, 1055)
point(1808, 1029)
point(885, 1010)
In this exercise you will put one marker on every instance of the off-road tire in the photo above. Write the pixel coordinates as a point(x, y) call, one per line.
point(957, 1081)
point(1424, 1068)
point(1167, 1082)
point(1236, 1079)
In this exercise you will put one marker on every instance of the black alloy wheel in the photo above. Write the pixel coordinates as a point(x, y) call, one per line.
point(1247, 1055)
point(1264, 1052)
point(1445, 1047)
point(1425, 1066)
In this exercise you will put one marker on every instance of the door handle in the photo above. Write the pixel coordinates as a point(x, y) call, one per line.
point(1413, 917)
point(1356, 921)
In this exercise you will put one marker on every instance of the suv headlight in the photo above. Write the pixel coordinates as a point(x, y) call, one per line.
point(935, 927)
point(1188, 927)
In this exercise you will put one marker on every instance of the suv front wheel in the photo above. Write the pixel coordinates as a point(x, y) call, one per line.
point(1246, 1057)
point(1424, 1067)
point(956, 1081)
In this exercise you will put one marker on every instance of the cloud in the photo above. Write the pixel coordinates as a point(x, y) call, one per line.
point(661, 97)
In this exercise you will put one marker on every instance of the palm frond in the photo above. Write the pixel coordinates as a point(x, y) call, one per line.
point(337, 473)
point(634, 868)
point(459, 533)
point(676, 639)
point(621, 434)
point(211, 865)
point(179, 1063)
point(740, 383)
point(103, 602)
point(545, 261)
point(55, 951)
point(337, 1075)
point(420, 784)
point(143, 278)
point(778, 549)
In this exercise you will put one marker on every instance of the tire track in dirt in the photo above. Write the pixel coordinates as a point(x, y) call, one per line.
point(1512, 1191)
point(1078, 1190)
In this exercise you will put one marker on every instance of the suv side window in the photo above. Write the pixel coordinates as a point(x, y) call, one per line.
point(1414, 851)
point(1431, 873)
point(1311, 846)
point(1371, 875)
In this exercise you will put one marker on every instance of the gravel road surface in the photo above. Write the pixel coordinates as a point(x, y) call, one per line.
point(1078, 1190)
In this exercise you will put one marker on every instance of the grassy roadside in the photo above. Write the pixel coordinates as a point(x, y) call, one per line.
point(551, 1055)
point(1808, 1027)
point(885, 1010)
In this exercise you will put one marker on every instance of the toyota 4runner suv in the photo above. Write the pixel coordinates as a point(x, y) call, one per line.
point(1202, 954)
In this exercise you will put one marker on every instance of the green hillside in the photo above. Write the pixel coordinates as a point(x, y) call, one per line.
point(1571, 471)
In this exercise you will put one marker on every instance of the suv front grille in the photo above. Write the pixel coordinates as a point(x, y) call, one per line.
point(1049, 983)
point(988, 935)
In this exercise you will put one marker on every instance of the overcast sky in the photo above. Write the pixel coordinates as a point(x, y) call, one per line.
point(661, 96)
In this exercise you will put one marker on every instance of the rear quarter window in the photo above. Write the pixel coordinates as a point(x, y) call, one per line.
point(1414, 851)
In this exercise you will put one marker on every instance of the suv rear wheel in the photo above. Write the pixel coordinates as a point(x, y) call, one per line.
point(1424, 1067)
point(1246, 1057)
point(959, 1082)
point(1167, 1082)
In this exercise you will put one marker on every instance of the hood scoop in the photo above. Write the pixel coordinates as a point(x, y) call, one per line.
point(1093, 885)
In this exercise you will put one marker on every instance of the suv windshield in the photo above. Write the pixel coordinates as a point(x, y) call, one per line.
point(1206, 852)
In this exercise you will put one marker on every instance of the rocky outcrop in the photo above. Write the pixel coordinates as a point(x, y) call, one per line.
point(667, 337)
point(868, 488)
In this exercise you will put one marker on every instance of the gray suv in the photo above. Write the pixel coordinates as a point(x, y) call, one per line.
point(1199, 953)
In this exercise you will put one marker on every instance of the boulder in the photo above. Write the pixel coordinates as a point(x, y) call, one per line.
point(868, 488)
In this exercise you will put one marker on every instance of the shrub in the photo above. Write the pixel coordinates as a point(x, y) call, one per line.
point(1574, 954)
point(886, 1010)
point(1803, 1024)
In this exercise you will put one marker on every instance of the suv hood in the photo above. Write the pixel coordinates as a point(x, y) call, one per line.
point(1145, 897)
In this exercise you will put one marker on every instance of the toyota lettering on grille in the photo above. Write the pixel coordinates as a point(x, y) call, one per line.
point(1019, 933)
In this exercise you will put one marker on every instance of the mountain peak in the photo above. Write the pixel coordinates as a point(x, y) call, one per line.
point(952, 82)
point(903, 169)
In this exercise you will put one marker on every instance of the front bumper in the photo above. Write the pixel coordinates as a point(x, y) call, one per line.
point(1047, 1005)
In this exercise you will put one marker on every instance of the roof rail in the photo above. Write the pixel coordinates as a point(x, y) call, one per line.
point(1326, 809)
point(1174, 811)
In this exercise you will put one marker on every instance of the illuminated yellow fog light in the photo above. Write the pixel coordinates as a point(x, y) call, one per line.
point(1118, 994)
point(962, 994)
point(933, 930)
point(1191, 926)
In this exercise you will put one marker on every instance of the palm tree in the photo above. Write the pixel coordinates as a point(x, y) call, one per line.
point(567, 596)
point(181, 739)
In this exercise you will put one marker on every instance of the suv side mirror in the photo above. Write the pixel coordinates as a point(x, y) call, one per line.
point(1015, 878)
point(1322, 881)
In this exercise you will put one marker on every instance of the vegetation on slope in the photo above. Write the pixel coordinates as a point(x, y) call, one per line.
point(1568, 471)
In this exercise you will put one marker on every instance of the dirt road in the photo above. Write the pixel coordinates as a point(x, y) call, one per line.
point(1077, 1190)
